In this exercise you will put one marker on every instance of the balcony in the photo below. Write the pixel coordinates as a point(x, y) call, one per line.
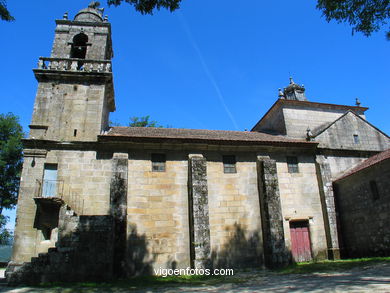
point(49, 189)
point(52, 193)
point(74, 65)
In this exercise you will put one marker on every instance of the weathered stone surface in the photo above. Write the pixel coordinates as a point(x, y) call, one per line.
point(364, 215)
point(84, 252)
point(199, 211)
point(274, 244)
point(340, 135)
point(234, 211)
point(157, 213)
point(300, 200)
point(118, 209)
point(328, 206)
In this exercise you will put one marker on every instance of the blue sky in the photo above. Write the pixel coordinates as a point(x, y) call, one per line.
point(213, 64)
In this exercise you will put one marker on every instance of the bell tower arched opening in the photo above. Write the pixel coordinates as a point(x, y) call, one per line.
point(79, 46)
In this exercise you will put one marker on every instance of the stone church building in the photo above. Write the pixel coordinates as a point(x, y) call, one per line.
point(98, 202)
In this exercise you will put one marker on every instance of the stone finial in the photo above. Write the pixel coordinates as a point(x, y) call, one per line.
point(309, 134)
point(357, 102)
point(281, 94)
point(65, 16)
point(291, 80)
point(94, 4)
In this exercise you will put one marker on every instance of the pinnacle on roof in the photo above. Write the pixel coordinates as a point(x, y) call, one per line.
point(294, 91)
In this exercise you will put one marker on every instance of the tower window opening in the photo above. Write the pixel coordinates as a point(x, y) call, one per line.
point(79, 48)
point(75, 132)
point(356, 139)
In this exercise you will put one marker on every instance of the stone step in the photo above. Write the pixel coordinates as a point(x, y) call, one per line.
point(52, 250)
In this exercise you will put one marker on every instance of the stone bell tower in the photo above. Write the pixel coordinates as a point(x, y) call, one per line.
point(75, 91)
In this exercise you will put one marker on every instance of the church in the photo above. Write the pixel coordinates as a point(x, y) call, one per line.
point(99, 202)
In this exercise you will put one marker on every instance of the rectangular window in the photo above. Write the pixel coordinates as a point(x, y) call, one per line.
point(229, 164)
point(158, 162)
point(292, 165)
point(356, 139)
point(49, 187)
point(374, 190)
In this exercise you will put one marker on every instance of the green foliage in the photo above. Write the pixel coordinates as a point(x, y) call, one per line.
point(4, 13)
point(148, 6)
point(143, 122)
point(113, 123)
point(365, 16)
point(11, 148)
point(6, 237)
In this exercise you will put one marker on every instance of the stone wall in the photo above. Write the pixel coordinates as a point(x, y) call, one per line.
point(199, 222)
point(300, 200)
point(83, 252)
point(235, 220)
point(340, 135)
point(70, 111)
point(364, 219)
point(83, 183)
point(98, 37)
point(86, 178)
point(157, 213)
point(27, 238)
point(275, 251)
point(274, 124)
point(298, 119)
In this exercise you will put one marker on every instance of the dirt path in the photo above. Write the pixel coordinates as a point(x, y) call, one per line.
point(374, 278)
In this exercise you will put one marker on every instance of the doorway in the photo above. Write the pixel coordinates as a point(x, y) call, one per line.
point(300, 241)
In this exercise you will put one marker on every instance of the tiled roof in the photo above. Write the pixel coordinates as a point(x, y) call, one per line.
point(385, 155)
point(197, 135)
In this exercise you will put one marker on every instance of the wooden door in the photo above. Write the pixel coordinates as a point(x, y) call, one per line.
point(300, 241)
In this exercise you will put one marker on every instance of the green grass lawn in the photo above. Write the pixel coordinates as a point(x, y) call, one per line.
point(239, 277)
point(150, 281)
point(331, 265)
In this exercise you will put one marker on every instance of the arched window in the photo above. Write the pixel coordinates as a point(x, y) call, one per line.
point(79, 46)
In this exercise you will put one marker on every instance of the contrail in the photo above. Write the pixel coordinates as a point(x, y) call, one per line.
point(206, 69)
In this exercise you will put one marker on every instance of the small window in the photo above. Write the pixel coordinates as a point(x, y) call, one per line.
point(356, 139)
point(292, 165)
point(229, 164)
point(158, 162)
point(374, 190)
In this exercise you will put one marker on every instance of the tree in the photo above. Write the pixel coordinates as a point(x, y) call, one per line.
point(143, 6)
point(11, 148)
point(143, 122)
point(365, 16)
point(147, 6)
point(6, 237)
point(4, 13)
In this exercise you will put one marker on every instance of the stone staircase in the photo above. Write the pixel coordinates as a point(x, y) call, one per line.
point(83, 252)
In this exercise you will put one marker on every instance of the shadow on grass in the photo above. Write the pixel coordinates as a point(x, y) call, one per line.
point(331, 266)
point(137, 283)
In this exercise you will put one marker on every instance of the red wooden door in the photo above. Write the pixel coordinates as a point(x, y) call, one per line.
point(300, 241)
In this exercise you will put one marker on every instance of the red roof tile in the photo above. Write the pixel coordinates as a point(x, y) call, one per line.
point(196, 135)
